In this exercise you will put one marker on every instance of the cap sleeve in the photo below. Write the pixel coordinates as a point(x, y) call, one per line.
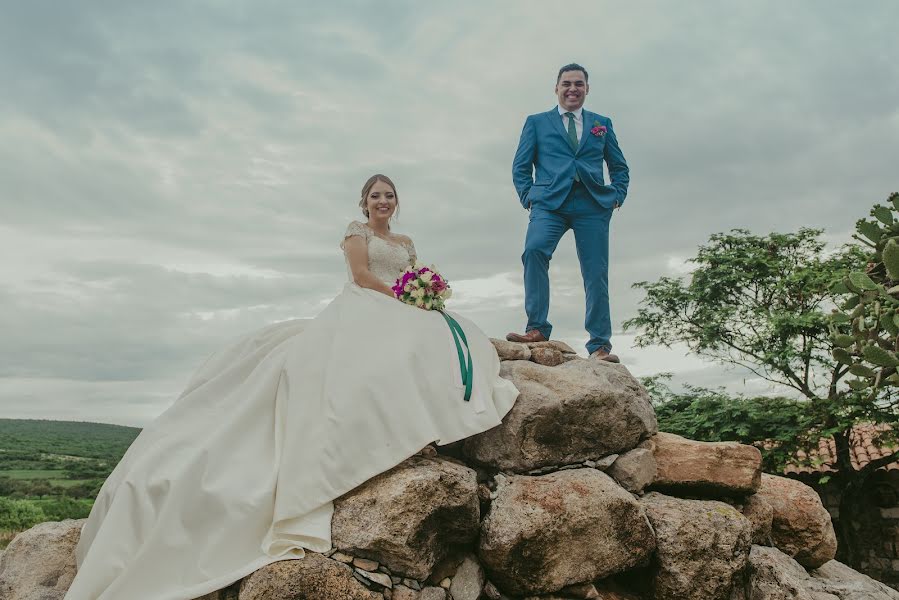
point(356, 228)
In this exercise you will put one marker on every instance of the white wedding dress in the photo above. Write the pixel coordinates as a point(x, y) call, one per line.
point(242, 469)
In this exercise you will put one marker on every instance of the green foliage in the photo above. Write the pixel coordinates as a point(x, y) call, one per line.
point(52, 470)
point(795, 314)
point(65, 507)
point(16, 515)
point(866, 322)
point(759, 302)
point(775, 424)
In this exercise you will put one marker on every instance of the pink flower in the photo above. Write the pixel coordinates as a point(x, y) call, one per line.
point(599, 130)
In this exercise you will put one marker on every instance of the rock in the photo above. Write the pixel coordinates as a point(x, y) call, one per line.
point(341, 557)
point(232, 592)
point(468, 581)
point(545, 533)
point(554, 344)
point(848, 584)
point(40, 563)
point(445, 583)
point(801, 526)
point(603, 463)
point(446, 568)
point(760, 515)
point(366, 564)
point(549, 357)
point(401, 592)
point(606, 591)
point(412, 583)
point(775, 576)
point(511, 350)
point(634, 470)
point(581, 410)
point(313, 577)
point(581, 591)
point(702, 547)
point(705, 468)
point(382, 579)
point(411, 517)
point(491, 592)
point(433, 593)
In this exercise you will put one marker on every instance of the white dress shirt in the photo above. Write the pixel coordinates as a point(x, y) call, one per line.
point(578, 120)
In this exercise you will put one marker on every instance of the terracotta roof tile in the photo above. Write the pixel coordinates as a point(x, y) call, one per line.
point(864, 449)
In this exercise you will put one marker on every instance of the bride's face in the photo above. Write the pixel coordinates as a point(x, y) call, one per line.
point(381, 201)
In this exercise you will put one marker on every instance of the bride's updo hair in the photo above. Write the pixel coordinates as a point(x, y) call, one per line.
point(363, 203)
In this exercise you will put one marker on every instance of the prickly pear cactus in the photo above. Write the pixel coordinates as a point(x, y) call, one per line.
point(865, 327)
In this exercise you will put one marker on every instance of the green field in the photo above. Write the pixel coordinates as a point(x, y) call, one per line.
point(52, 470)
point(33, 473)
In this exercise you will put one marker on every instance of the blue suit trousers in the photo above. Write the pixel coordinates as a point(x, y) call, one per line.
point(590, 222)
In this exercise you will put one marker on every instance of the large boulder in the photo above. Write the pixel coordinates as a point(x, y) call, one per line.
point(40, 563)
point(411, 517)
point(775, 576)
point(578, 411)
point(761, 515)
point(545, 533)
point(634, 470)
point(801, 526)
point(313, 577)
point(705, 468)
point(848, 584)
point(702, 548)
point(468, 581)
point(511, 350)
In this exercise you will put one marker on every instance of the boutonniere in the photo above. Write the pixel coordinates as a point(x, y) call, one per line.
point(598, 129)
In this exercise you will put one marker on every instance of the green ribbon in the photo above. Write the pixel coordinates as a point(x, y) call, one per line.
point(464, 366)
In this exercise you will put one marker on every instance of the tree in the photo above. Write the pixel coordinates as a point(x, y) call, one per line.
point(763, 303)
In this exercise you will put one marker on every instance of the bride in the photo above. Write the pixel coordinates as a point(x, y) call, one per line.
point(242, 469)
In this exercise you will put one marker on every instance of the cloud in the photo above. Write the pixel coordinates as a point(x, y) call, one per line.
point(175, 175)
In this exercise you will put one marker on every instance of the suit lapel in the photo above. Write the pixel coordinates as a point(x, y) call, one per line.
point(588, 125)
point(556, 120)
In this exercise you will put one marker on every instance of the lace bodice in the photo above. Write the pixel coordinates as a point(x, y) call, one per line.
point(386, 259)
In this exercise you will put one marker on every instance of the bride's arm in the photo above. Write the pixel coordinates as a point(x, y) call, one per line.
point(357, 254)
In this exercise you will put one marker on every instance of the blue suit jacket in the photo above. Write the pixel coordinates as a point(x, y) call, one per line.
point(544, 146)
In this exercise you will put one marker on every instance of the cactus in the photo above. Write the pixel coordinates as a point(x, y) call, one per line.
point(880, 357)
point(860, 370)
point(891, 258)
point(865, 326)
point(841, 356)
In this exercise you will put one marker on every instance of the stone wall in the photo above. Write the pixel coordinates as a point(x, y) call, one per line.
point(877, 523)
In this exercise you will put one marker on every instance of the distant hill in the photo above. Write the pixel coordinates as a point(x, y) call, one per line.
point(52, 470)
point(31, 438)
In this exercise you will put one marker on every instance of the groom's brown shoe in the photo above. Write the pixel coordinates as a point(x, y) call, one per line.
point(533, 335)
point(605, 355)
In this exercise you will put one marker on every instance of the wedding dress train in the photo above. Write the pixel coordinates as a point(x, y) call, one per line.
point(242, 469)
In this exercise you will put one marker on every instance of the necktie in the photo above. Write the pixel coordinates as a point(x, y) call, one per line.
point(572, 131)
point(572, 138)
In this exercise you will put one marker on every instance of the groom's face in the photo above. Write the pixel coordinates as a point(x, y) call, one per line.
point(572, 90)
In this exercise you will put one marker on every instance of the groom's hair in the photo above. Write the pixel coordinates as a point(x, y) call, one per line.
point(572, 67)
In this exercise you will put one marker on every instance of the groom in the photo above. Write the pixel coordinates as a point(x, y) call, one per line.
point(557, 172)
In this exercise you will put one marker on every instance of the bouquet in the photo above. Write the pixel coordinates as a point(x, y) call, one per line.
point(423, 287)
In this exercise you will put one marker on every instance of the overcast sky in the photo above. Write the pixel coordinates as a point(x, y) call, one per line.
point(175, 174)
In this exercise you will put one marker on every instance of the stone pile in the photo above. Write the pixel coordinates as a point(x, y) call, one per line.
point(575, 496)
